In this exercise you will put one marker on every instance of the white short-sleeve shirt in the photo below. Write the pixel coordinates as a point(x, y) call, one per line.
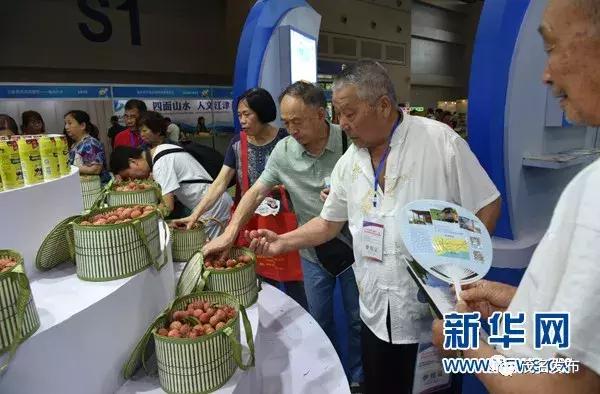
point(427, 160)
point(173, 168)
point(173, 132)
point(564, 273)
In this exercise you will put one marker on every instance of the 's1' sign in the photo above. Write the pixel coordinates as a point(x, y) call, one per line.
point(98, 16)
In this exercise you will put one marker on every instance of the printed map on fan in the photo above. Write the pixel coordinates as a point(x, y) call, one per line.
point(447, 240)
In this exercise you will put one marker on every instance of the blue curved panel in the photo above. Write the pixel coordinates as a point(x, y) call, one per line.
point(258, 28)
point(497, 35)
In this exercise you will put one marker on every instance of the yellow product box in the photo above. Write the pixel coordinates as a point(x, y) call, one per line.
point(10, 165)
point(31, 160)
point(62, 152)
point(50, 166)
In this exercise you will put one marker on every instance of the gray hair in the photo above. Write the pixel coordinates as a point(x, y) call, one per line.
point(370, 78)
point(309, 93)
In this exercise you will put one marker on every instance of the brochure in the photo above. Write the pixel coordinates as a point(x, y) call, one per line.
point(440, 297)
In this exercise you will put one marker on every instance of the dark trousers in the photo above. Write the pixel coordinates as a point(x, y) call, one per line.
point(390, 368)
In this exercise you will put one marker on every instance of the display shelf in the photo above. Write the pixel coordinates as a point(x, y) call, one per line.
point(31, 212)
point(561, 160)
point(88, 329)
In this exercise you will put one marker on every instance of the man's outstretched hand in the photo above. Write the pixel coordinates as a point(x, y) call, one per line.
point(265, 242)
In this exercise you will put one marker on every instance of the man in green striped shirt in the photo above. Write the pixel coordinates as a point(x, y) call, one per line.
point(303, 162)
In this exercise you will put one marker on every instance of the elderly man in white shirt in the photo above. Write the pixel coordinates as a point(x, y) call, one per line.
point(563, 274)
point(395, 159)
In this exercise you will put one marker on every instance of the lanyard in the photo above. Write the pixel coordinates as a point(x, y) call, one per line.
point(381, 165)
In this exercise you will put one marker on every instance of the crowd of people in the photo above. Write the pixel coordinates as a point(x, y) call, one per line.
point(86, 151)
point(31, 124)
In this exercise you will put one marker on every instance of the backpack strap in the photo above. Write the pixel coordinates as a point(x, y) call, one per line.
point(197, 181)
point(176, 150)
point(164, 153)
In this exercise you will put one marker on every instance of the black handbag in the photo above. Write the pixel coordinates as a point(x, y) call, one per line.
point(335, 255)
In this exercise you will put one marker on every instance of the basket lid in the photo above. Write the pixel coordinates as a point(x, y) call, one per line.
point(143, 349)
point(191, 275)
point(55, 248)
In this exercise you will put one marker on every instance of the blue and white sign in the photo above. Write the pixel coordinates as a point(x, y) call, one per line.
point(217, 112)
point(54, 92)
point(219, 92)
point(163, 92)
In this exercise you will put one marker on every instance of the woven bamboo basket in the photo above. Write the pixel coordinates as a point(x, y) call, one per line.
point(18, 318)
point(91, 190)
point(55, 246)
point(117, 198)
point(115, 251)
point(241, 282)
point(200, 365)
point(187, 242)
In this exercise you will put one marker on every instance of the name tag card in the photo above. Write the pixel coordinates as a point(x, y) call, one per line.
point(372, 238)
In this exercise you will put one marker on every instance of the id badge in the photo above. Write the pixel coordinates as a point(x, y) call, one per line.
point(372, 238)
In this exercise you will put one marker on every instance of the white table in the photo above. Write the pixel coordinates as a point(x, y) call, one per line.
point(293, 353)
point(31, 212)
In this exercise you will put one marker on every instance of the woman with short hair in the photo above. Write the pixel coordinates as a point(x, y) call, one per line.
point(87, 153)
